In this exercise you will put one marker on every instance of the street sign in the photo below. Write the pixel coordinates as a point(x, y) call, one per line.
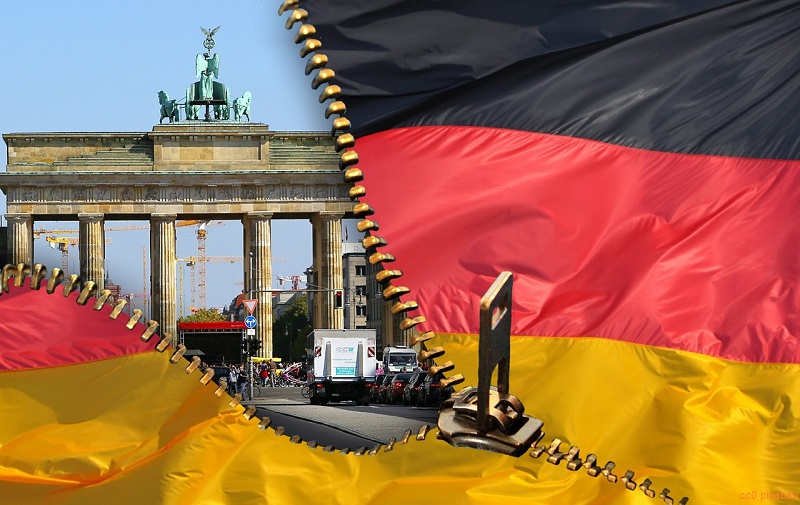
point(251, 331)
point(250, 322)
point(250, 305)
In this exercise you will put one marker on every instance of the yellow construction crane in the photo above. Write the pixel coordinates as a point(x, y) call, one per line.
point(196, 262)
point(41, 231)
point(201, 254)
point(62, 244)
point(198, 278)
point(37, 233)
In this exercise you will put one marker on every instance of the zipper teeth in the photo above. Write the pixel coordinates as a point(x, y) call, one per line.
point(345, 142)
point(66, 284)
point(574, 463)
point(72, 283)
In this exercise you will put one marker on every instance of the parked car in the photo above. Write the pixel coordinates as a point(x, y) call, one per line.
point(375, 387)
point(431, 393)
point(394, 393)
point(384, 387)
point(410, 392)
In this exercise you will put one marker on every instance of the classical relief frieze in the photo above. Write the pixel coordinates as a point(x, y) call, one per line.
point(165, 194)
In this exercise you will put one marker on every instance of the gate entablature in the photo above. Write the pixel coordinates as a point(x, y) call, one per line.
point(177, 169)
point(172, 147)
point(180, 170)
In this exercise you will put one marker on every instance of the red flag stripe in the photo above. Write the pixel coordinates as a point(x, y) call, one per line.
point(64, 339)
point(680, 251)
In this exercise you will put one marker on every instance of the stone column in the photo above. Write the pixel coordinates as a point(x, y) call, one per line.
point(258, 274)
point(92, 248)
point(20, 238)
point(162, 272)
point(327, 227)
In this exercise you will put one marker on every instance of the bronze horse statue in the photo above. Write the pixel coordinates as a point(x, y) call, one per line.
point(169, 108)
point(241, 106)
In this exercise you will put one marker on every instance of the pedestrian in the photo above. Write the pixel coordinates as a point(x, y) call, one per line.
point(244, 385)
point(264, 374)
point(272, 368)
point(233, 377)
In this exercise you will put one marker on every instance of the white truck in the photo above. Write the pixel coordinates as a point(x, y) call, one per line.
point(341, 365)
point(399, 358)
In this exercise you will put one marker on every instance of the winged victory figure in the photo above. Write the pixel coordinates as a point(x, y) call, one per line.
point(207, 65)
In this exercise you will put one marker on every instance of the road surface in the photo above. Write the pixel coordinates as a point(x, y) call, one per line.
point(342, 425)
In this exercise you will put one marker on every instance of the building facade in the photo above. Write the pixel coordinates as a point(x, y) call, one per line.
point(354, 269)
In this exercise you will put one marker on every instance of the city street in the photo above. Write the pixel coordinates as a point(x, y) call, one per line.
point(339, 424)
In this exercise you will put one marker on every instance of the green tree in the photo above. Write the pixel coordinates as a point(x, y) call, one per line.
point(203, 316)
point(290, 330)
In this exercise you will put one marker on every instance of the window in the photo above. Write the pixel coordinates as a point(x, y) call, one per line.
point(361, 310)
point(361, 290)
point(361, 270)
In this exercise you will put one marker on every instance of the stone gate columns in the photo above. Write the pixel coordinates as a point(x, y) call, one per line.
point(92, 248)
point(162, 272)
point(327, 231)
point(20, 238)
point(258, 273)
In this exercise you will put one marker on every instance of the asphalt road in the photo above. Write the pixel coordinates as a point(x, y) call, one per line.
point(341, 425)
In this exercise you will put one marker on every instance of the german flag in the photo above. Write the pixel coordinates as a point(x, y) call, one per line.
point(632, 163)
point(96, 408)
point(635, 165)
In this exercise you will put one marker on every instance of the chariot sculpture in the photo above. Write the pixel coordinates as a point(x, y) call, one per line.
point(207, 92)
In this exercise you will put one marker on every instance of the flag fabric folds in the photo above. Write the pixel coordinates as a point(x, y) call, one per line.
point(635, 165)
point(132, 427)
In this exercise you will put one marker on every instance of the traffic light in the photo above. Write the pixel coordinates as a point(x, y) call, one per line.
point(338, 299)
point(245, 342)
point(255, 345)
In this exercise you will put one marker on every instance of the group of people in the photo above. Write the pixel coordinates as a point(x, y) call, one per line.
point(238, 381)
point(267, 371)
point(239, 377)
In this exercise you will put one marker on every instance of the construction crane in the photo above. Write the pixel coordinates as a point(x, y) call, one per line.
point(198, 280)
point(196, 262)
point(62, 244)
point(37, 233)
point(201, 258)
point(295, 279)
point(41, 231)
point(201, 254)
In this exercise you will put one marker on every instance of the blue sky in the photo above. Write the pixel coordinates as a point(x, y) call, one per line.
point(97, 66)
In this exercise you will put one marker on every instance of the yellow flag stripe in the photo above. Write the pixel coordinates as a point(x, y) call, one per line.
point(137, 429)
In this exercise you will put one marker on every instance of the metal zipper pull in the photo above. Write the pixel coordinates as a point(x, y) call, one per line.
point(488, 417)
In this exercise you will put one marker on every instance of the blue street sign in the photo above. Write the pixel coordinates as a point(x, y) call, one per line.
point(250, 321)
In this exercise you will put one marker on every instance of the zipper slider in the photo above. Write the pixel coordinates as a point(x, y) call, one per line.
point(489, 417)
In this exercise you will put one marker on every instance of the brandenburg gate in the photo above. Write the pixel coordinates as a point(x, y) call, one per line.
point(183, 170)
